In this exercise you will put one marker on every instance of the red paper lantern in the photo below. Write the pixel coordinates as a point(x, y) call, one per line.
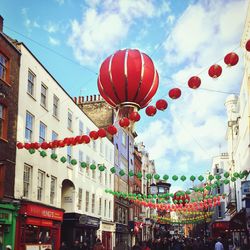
point(151, 110)
point(35, 145)
point(112, 130)
point(231, 59)
point(93, 135)
point(44, 145)
point(161, 104)
point(134, 116)
point(215, 71)
point(248, 45)
point(128, 78)
point(174, 93)
point(19, 145)
point(194, 82)
point(102, 133)
point(84, 139)
point(182, 198)
point(124, 122)
point(27, 146)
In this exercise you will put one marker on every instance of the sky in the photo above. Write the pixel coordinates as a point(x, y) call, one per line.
point(183, 38)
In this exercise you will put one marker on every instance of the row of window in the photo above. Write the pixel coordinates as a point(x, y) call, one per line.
point(29, 136)
point(27, 184)
point(92, 209)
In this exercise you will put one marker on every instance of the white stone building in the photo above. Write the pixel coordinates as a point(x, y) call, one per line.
point(46, 112)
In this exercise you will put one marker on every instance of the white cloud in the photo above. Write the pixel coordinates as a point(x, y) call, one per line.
point(51, 27)
point(170, 19)
point(53, 41)
point(60, 2)
point(102, 29)
point(29, 24)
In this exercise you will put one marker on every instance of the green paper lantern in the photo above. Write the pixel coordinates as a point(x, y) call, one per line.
point(150, 196)
point(113, 170)
point(92, 167)
point(63, 159)
point(236, 175)
point(188, 192)
point(149, 176)
point(174, 177)
point(157, 176)
point(180, 201)
point(241, 175)
point(245, 172)
point(155, 196)
point(233, 179)
point(201, 189)
point(200, 178)
point(210, 177)
point(73, 162)
point(139, 175)
point(183, 178)
point(32, 150)
point(53, 156)
point(226, 182)
point(196, 189)
point(165, 177)
point(208, 187)
point(121, 172)
point(218, 177)
point(131, 173)
point(226, 174)
point(101, 168)
point(214, 185)
point(192, 178)
point(43, 153)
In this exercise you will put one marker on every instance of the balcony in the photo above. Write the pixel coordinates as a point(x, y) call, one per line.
point(231, 201)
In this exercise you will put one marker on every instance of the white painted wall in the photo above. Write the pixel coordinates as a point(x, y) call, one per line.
point(51, 167)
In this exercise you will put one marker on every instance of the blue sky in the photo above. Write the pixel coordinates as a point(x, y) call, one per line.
point(182, 37)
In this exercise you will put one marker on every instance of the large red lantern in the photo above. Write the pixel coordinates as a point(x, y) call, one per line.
point(181, 199)
point(231, 59)
point(248, 45)
point(215, 71)
point(128, 80)
point(194, 82)
point(174, 93)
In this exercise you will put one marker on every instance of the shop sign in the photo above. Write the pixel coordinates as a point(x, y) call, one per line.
point(5, 217)
point(108, 228)
point(89, 221)
point(42, 212)
point(120, 228)
point(245, 187)
point(38, 247)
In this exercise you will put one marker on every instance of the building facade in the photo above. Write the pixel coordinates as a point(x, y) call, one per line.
point(9, 86)
point(58, 200)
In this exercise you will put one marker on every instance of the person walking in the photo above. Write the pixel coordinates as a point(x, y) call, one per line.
point(218, 244)
point(98, 245)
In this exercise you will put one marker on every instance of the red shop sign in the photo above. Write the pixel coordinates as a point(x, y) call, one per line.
point(42, 212)
point(39, 222)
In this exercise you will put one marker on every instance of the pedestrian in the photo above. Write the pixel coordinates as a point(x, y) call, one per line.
point(8, 247)
point(98, 245)
point(218, 244)
point(231, 245)
point(136, 246)
point(63, 246)
point(145, 246)
point(76, 245)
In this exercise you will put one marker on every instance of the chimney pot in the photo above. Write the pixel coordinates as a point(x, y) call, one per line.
point(91, 98)
point(1, 23)
point(94, 97)
point(99, 97)
point(79, 99)
point(87, 98)
point(82, 98)
point(75, 99)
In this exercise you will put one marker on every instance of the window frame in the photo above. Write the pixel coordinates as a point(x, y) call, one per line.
point(70, 121)
point(30, 72)
point(31, 130)
point(69, 154)
point(6, 68)
point(55, 106)
point(29, 182)
point(79, 203)
point(53, 191)
point(54, 136)
point(45, 96)
point(100, 206)
point(4, 122)
point(93, 203)
point(40, 186)
point(41, 138)
point(87, 202)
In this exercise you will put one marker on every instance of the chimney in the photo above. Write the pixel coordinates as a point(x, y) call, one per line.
point(87, 98)
point(75, 99)
point(91, 98)
point(99, 97)
point(94, 97)
point(1, 23)
point(82, 99)
point(79, 100)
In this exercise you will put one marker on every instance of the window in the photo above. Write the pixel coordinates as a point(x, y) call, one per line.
point(80, 128)
point(29, 126)
point(106, 151)
point(219, 211)
point(87, 132)
point(106, 178)
point(93, 204)
point(116, 154)
point(80, 160)
point(100, 177)
point(70, 118)
point(93, 171)
point(94, 145)
point(42, 132)
point(40, 185)
point(109, 209)
point(3, 67)
point(110, 180)
point(88, 163)
point(69, 154)
point(218, 190)
point(44, 90)
point(3, 122)
point(100, 207)
point(31, 83)
point(79, 199)
point(105, 208)
point(52, 190)
point(54, 136)
point(123, 138)
point(101, 147)
point(87, 202)
point(27, 180)
point(55, 105)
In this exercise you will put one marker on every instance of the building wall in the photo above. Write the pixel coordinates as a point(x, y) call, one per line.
point(73, 176)
point(9, 99)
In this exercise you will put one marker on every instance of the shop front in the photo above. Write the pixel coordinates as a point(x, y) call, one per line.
point(38, 227)
point(8, 213)
point(122, 235)
point(106, 234)
point(81, 228)
point(220, 229)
